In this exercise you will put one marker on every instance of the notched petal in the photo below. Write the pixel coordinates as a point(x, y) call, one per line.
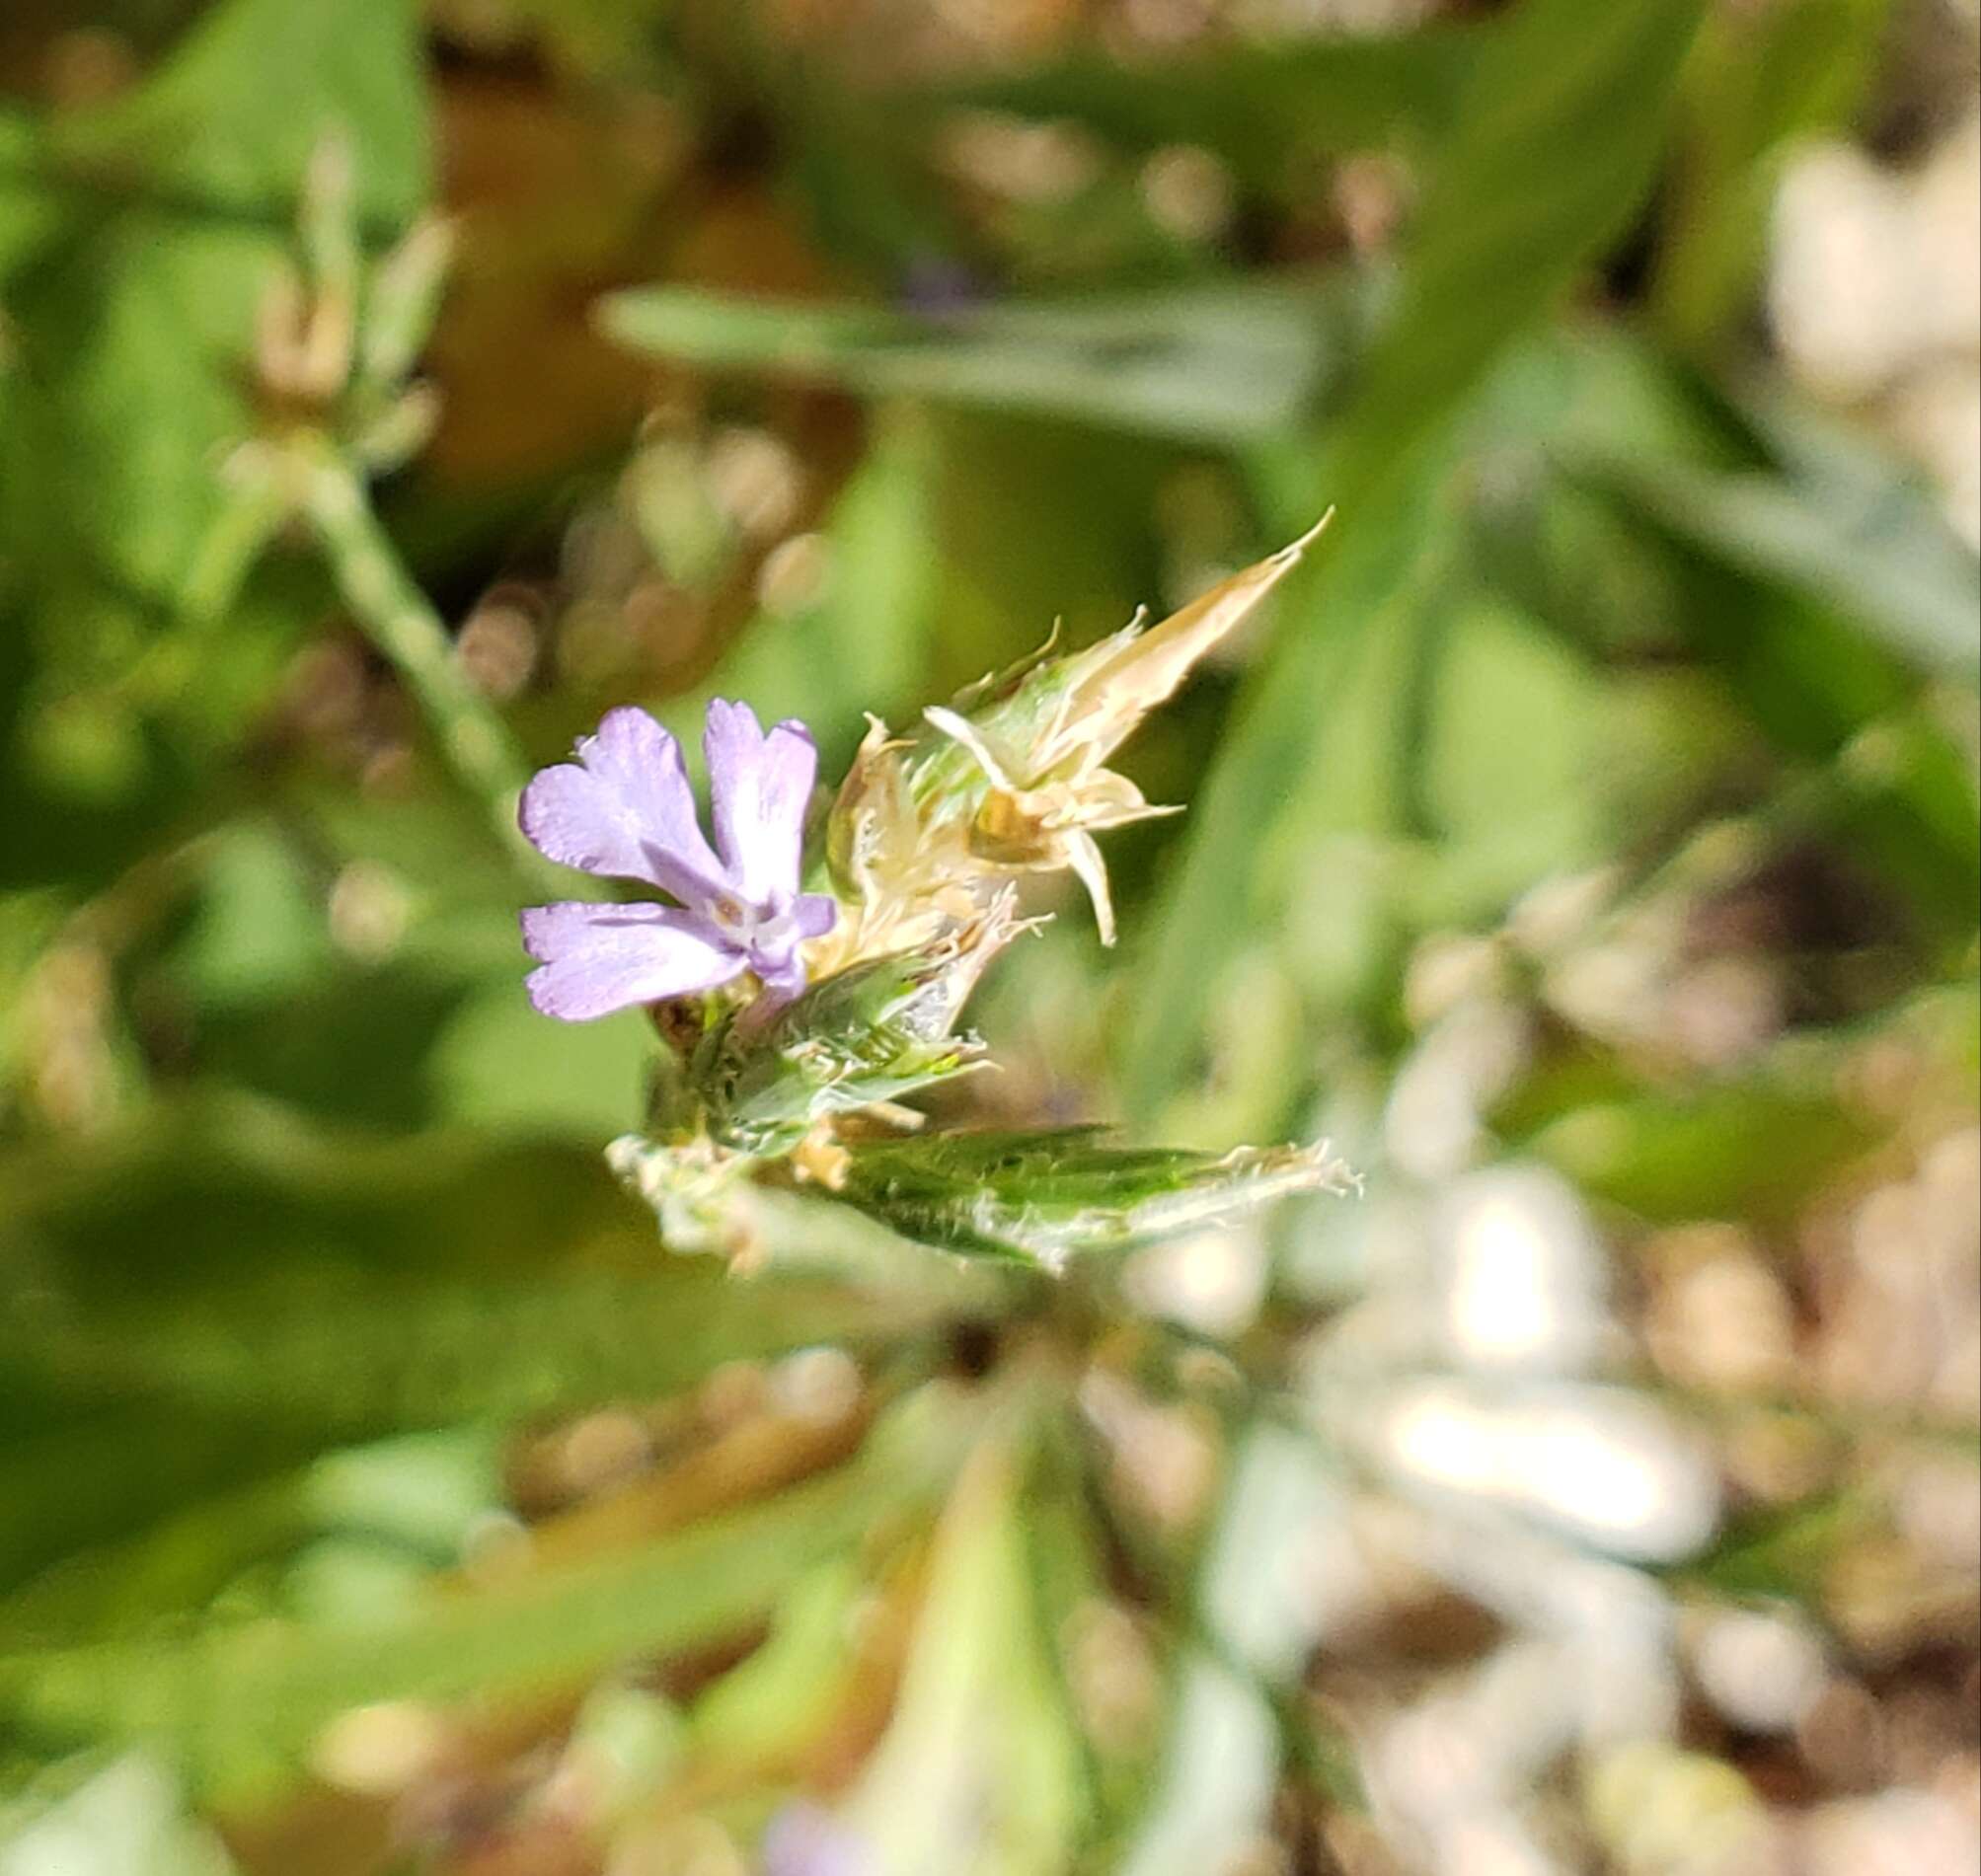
point(570, 816)
point(624, 809)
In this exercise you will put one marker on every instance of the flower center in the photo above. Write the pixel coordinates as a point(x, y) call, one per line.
point(767, 931)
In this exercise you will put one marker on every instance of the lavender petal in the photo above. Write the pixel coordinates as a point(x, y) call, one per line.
point(623, 808)
point(806, 1839)
point(759, 787)
point(816, 912)
point(782, 978)
point(598, 959)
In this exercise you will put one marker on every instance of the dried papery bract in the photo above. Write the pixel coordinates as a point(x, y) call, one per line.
point(338, 338)
point(336, 403)
point(1012, 777)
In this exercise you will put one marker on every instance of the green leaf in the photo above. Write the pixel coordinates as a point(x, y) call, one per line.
point(222, 1294)
point(136, 344)
point(1045, 1198)
point(1385, 578)
point(81, 1488)
point(1517, 765)
point(1228, 1738)
point(1823, 628)
point(1859, 540)
point(1215, 1791)
point(136, 326)
point(1213, 364)
point(414, 1499)
point(1787, 1550)
point(237, 1706)
point(1259, 107)
point(979, 1771)
point(1760, 81)
point(1563, 119)
point(331, 1356)
point(1754, 1149)
point(784, 1694)
point(501, 1067)
point(1825, 591)
point(231, 121)
point(875, 1031)
point(28, 213)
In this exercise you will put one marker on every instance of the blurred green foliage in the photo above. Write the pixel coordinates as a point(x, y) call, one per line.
point(1598, 801)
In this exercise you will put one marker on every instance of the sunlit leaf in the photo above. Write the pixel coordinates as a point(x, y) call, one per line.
point(139, 327)
point(232, 120)
point(239, 1706)
point(1873, 548)
point(128, 1818)
point(1258, 107)
point(1227, 1741)
point(783, 1692)
point(1758, 85)
point(1215, 364)
point(1216, 1788)
point(223, 1293)
point(416, 1500)
point(978, 1772)
point(1046, 1198)
point(1752, 1149)
point(1554, 145)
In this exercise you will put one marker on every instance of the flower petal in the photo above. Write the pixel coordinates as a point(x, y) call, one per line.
point(598, 959)
point(759, 786)
point(805, 1840)
point(782, 978)
point(816, 912)
point(623, 808)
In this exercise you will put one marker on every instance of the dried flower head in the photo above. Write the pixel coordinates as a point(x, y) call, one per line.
point(1014, 778)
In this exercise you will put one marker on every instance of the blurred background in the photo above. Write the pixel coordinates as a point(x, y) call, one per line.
point(1586, 841)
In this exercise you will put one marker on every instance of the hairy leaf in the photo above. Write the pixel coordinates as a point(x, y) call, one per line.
point(1045, 1198)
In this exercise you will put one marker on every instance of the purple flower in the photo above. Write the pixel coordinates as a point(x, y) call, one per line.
point(625, 809)
point(805, 1840)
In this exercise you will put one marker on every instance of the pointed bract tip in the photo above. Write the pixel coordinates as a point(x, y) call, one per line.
point(1292, 552)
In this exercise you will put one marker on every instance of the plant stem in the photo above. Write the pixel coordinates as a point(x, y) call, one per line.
point(401, 622)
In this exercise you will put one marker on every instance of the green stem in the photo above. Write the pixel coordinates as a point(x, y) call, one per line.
point(257, 506)
point(400, 620)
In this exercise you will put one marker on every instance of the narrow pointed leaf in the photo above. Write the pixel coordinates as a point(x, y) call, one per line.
point(1556, 143)
point(238, 1706)
point(1203, 365)
point(979, 1771)
point(1260, 106)
point(1045, 1198)
point(1863, 543)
